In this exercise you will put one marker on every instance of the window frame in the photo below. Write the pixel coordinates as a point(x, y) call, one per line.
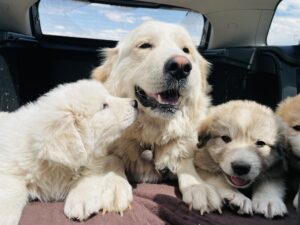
point(269, 29)
point(37, 30)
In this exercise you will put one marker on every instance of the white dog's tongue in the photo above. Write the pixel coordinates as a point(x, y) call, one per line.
point(238, 181)
point(172, 100)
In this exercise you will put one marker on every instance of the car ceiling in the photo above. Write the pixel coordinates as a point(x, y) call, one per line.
point(234, 22)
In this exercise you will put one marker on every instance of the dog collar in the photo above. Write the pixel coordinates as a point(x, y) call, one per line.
point(147, 152)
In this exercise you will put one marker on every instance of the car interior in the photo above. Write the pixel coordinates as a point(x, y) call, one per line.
point(233, 41)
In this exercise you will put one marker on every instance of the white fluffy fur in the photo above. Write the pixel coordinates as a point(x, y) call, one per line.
point(56, 147)
point(173, 136)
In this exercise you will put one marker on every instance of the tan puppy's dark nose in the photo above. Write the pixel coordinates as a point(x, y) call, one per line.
point(240, 168)
point(178, 67)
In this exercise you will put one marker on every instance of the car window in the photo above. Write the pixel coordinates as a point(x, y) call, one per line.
point(285, 27)
point(73, 18)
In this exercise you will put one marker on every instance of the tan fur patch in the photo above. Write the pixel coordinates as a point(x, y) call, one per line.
point(102, 72)
point(289, 110)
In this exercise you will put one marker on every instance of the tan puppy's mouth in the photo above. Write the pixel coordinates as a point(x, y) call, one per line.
point(166, 101)
point(237, 182)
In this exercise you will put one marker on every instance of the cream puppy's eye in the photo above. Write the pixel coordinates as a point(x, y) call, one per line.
point(145, 45)
point(186, 50)
point(226, 138)
point(296, 128)
point(260, 143)
point(104, 106)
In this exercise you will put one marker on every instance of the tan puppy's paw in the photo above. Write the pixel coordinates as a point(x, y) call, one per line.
point(116, 195)
point(239, 202)
point(202, 197)
point(295, 201)
point(269, 207)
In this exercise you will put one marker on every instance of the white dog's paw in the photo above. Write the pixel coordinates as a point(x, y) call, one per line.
point(81, 204)
point(116, 196)
point(295, 201)
point(240, 203)
point(269, 206)
point(202, 197)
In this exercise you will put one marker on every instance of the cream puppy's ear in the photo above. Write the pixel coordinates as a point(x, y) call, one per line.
point(58, 139)
point(103, 71)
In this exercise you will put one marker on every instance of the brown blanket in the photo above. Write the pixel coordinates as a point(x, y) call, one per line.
point(154, 204)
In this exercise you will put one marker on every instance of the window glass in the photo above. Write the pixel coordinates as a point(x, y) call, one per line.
point(73, 18)
point(285, 27)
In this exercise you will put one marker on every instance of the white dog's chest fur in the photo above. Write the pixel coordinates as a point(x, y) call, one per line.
point(167, 151)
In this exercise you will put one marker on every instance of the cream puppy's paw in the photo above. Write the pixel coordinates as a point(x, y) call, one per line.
point(239, 202)
point(116, 195)
point(269, 206)
point(82, 203)
point(110, 193)
point(202, 197)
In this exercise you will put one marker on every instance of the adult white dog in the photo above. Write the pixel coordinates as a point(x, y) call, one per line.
point(52, 147)
point(158, 65)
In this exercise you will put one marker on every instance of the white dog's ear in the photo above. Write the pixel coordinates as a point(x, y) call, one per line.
point(58, 139)
point(103, 71)
point(205, 70)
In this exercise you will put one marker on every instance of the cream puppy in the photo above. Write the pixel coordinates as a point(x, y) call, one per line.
point(240, 147)
point(289, 111)
point(158, 65)
point(51, 147)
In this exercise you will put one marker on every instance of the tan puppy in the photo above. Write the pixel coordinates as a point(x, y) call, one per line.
point(240, 146)
point(289, 111)
point(56, 148)
point(158, 65)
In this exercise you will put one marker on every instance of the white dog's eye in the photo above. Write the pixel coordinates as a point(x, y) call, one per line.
point(226, 138)
point(145, 45)
point(260, 143)
point(296, 128)
point(186, 50)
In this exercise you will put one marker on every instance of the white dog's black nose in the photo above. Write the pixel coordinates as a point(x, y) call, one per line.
point(240, 168)
point(135, 104)
point(178, 67)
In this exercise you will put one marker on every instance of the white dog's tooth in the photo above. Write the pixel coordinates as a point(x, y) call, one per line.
point(159, 99)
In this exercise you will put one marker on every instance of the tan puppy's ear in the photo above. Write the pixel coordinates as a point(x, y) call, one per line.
point(103, 71)
point(205, 70)
point(57, 139)
point(203, 134)
point(283, 145)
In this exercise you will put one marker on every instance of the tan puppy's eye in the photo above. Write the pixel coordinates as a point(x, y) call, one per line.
point(226, 138)
point(260, 143)
point(186, 50)
point(145, 45)
point(296, 128)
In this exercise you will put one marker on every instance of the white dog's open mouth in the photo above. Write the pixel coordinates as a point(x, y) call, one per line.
point(167, 101)
point(237, 182)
